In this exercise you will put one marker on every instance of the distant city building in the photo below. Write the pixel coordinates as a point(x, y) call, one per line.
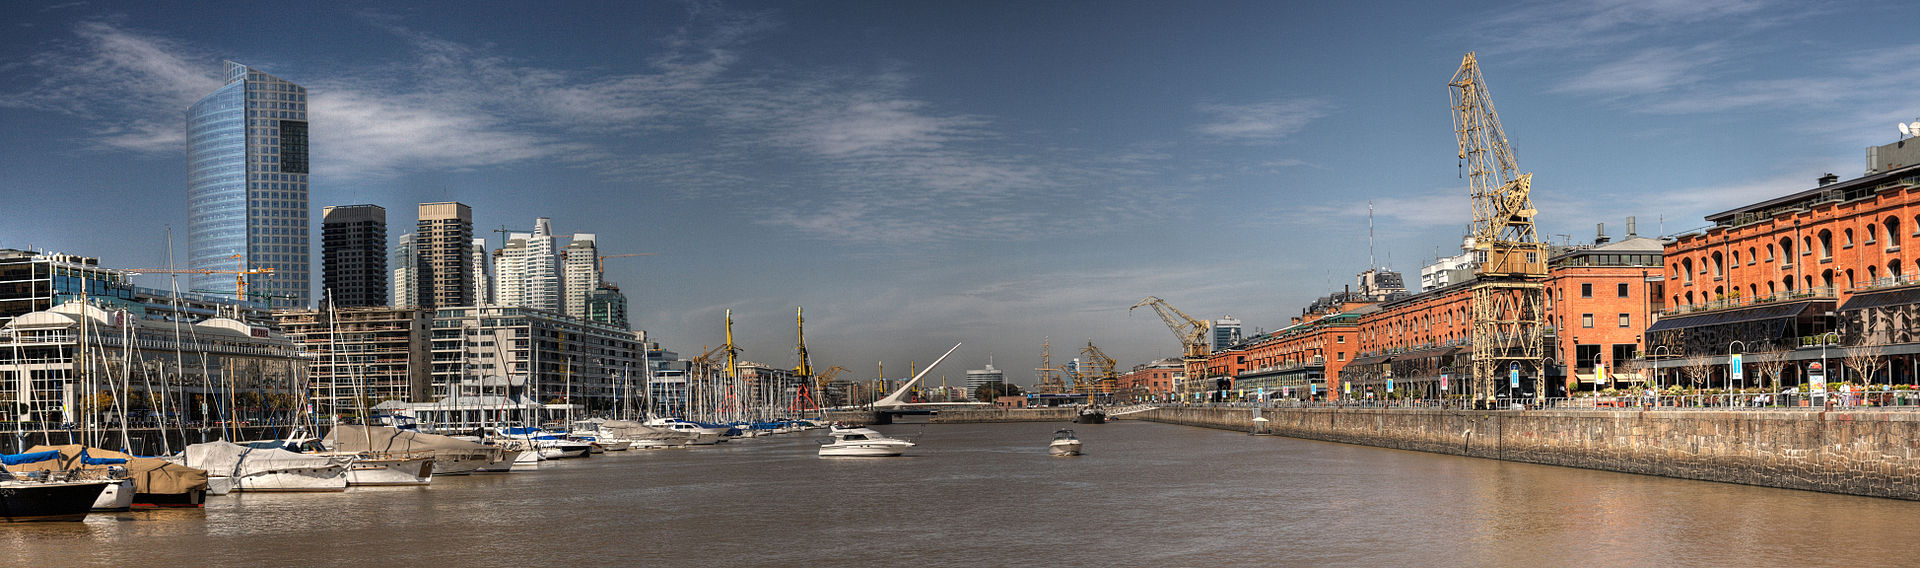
point(369, 354)
point(443, 239)
point(247, 185)
point(1449, 270)
point(406, 273)
point(527, 270)
point(1226, 333)
point(977, 377)
point(1381, 285)
point(581, 268)
point(482, 274)
point(353, 255)
point(607, 305)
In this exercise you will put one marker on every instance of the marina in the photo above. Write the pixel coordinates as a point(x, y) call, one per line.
point(770, 501)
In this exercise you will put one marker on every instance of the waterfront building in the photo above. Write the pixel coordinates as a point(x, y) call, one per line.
point(34, 281)
point(406, 273)
point(1599, 299)
point(607, 305)
point(247, 185)
point(1152, 381)
point(176, 368)
point(546, 356)
point(1783, 277)
point(580, 268)
point(1449, 269)
point(358, 357)
point(443, 239)
point(353, 255)
point(509, 271)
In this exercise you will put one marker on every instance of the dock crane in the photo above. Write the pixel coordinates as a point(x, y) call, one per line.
point(602, 260)
point(239, 276)
point(1102, 376)
point(1191, 333)
point(1509, 299)
point(803, 372)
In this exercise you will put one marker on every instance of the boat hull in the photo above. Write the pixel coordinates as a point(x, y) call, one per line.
point(1064, 449)
point(118, 496)
point(1091, 418)
point(26, 502)
point(296, 480)
point(862, 451)
point(192, 499)
point(390, 472)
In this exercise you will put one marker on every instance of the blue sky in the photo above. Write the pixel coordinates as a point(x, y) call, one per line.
point(923, 173)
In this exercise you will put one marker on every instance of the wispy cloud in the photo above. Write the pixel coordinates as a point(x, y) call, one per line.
point(1647, 71)
point(1576, 26)
point(1259, 121)
point(105, 73)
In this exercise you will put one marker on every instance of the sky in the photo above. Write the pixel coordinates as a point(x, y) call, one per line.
point(921, 174)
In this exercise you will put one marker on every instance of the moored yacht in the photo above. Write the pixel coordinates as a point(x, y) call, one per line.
point(862, 442)
point(1064, 443)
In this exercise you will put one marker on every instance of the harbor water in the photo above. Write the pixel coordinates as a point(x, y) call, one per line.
point(972, 495)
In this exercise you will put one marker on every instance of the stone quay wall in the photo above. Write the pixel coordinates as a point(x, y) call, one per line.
point(1860, 452)
point(1059, 414)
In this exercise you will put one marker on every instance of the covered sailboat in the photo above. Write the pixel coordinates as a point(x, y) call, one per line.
point(267, 469)
point(157, 483)
point(451, 456)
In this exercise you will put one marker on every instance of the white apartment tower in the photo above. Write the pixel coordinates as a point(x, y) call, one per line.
point(406, 273)
point(527, 271)
point(482, 276)
point(580, 264)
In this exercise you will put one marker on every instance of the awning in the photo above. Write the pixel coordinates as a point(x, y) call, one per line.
point(1883, 298)
point(1783, 312)
point(1373, 360)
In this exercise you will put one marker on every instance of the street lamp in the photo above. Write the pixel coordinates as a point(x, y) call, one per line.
point(1656, 370)
point(1824, 365)
point(1732, 369)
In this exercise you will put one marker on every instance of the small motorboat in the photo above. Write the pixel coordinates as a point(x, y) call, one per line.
point(1064, 443)
point(1091, 414)
point(862, 442)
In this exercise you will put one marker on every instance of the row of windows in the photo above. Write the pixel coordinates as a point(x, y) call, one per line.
point(1586, 290)
point(1822, 241)
point(1586, 320)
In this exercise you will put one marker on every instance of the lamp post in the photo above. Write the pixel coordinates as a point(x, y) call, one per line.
point(1735, 368)
point(1824, 365)
point(1656, 371)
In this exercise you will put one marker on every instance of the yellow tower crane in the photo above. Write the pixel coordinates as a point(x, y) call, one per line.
point(1191, 333)
point(602, 260)
point(239, 276)
point(1509, 299)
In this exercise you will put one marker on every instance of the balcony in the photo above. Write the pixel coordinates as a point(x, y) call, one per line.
point(1814, 293)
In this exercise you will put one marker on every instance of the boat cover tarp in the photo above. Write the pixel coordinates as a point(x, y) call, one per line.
point(387, 439)
point(27, 458)
point(227, 458)
point(150, 475)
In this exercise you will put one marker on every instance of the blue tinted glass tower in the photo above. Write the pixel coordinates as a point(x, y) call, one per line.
point(247, 187)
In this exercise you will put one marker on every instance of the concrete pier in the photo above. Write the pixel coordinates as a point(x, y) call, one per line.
point(1862, 452)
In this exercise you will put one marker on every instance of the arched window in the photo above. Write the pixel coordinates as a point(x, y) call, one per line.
point(1719, 292)
point(1826, 245)
point(1847, 238)
point(1689, 297)
point(1787, 284)
point(1826, 278)
point(1893, 268)
point(1753, 256)
point(1893, 232)
point(1873, 233)
point(1770, 252)
point(1873, 273)
point(1686, 270)
point(1849, 278)
point(1786, 250)
point(1719, 265)
point(1771, 290)
point(1753, 290)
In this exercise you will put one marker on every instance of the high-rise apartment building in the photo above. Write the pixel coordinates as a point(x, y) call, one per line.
point(527, 271)
point(482, 275)
point(1226, 333)
point(607, 305)
point(247, 185)
point(406, 273)
point(580, 266)
point(444, 239)
point(353, 255)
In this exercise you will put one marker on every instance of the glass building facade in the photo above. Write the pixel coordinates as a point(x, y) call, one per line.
point(247, 187)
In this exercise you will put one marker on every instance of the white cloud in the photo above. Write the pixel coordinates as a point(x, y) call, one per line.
point(1260, 121)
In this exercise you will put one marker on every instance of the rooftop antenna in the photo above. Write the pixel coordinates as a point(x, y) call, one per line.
point(1370, 261)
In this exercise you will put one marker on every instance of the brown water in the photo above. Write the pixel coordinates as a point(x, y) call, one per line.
point(989, 495)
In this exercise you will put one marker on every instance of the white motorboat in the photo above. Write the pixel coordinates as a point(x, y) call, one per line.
point(1064, 443)
point(555, 447)
point(525, 460)
point(697, 435)
point(862, 442)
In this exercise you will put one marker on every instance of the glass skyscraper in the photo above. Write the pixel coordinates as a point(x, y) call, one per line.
point(247, 187)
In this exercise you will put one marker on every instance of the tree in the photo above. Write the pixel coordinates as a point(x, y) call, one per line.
point(1866, 358)
point(1698, 371)
point(991, 391)
point(1768, 363)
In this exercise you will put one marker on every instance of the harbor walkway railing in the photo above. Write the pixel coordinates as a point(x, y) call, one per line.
point(1853, 399)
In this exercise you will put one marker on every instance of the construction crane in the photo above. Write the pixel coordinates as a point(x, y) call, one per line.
point(1101, 377)
point(1509, 299)
point(803, 372)
point(239, 276)
point(602, 261)
point(1191, 333)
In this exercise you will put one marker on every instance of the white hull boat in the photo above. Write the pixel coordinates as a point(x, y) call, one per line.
point(118, 496)
point(525, 460)
point(1064, 444)
point(864, 443)
point(562, 449)
point(390, 471)
point(292, 480)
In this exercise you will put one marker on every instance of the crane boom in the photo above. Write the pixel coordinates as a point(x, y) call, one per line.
point(1191, 333)
point(1503, 211)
